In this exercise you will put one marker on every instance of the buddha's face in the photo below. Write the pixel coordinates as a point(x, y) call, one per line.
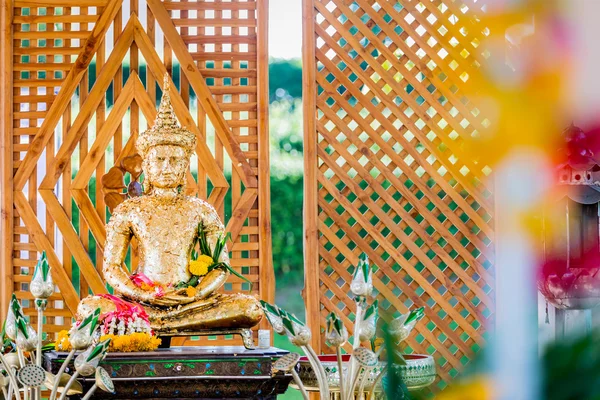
point(165, 166)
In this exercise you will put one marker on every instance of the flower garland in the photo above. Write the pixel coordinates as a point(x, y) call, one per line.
point(134, 342)
point(128, 318)
point(138, 341)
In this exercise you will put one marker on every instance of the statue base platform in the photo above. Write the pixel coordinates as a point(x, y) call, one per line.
point(225, 372)
point(245, 334)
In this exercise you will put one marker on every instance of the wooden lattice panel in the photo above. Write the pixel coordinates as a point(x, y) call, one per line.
point(79, 101)
point(387, 172)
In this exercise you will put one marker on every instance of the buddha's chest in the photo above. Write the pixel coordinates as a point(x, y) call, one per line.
point(169, 227)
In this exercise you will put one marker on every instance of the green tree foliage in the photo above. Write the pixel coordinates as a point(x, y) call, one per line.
point(285, 79)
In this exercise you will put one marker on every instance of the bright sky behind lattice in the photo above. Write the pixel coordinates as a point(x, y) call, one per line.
point(285, 28)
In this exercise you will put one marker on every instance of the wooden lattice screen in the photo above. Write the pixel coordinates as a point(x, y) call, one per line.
point(80, 79)
point(386, 117)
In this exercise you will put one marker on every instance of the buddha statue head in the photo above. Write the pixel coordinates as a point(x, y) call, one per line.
point(165, 148)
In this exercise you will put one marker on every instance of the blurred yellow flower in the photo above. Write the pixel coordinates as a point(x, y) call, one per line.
point(190, 291)
point(62, 341)
point(200, 266)
point(476, 389)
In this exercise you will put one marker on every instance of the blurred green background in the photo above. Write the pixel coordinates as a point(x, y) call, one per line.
point(285, 116)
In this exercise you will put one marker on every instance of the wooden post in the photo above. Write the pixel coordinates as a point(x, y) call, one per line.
point(6, 149)
point(311, 211)
point(267, 281)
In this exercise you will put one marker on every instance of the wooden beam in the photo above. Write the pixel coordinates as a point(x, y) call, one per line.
point(6, 154)
point(267, 278)
point(240, 213)
point(311, 200)
point(205, 98)
point(68, 87)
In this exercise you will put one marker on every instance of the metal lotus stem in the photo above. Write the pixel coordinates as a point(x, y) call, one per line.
point(11, 377)
point(23, 363)
point(363, 381)
point(63, 396)
point(349, 390)
point(338, 350)
point(319, 370)
point(353, 380)
point(298, 383)
point(376, 382)
point(38, 353)
point(90, 392)
point(62, 369)
point(40, 305)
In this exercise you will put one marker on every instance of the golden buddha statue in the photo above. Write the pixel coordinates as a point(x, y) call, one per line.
point(165, 223)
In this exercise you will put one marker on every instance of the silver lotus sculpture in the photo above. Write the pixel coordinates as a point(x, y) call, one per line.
point(357, 375)
point(21, 372)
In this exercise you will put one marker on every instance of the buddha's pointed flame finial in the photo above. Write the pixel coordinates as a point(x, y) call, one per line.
point(166, 129)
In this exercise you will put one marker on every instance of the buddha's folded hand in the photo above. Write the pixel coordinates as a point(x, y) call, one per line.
point(172, 298)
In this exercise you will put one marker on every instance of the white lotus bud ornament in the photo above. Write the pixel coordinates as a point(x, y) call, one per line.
point(401, 327)
point(297, 333)
point(362, 281)
point(369, 323)
point(41, 286)
point(82, 335)
point(14, 311)
point(27, 337)
point(87, 362)
point(273, 316)
point(335, 333)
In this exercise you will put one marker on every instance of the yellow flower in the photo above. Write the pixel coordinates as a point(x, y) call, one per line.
point(190, 291)
point(62, 341)
point(478, 388)
point(134, 342)
point(200, 266)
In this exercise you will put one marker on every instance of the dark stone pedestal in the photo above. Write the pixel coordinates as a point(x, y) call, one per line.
point(188, 373)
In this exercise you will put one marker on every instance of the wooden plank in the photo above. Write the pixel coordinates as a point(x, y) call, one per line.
point(207, 39)
point(232, 22)
point(51, 35)
point(205, 98)
point(228, 73)
point(56, 19)
point(240, 212)
point(93, 220)
point(64, 95)
point(170, 5)
point(311, 292)
point(6, 151)
point(38, 236)
point(61, 3)
point(267, 273)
